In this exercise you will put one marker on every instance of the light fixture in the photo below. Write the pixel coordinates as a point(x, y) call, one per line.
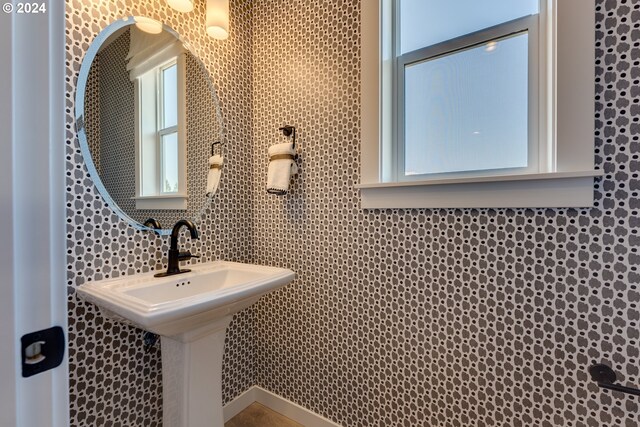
point(148, 25)
point(491, 46)
point(218, 19)
point(181, 5)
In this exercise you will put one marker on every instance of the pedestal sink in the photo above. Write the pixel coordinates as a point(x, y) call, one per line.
point(191, 312)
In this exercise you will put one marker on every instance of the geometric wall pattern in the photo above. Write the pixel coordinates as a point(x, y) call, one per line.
point(117, 123)
point(92, 112)
point(449, 317)
point(112, 380)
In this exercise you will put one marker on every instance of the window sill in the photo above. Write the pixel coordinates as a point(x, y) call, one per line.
point(166, 202)
point(543, 190)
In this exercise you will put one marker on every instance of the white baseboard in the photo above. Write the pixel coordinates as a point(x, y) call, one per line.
point(279, 404)
point(238, 404)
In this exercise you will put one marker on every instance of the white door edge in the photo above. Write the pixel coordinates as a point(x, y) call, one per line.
point(32, 212)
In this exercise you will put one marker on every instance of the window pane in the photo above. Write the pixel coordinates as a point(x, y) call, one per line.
point(170, 163)
point(468, 111)
point(427, 22)
point(170, 96)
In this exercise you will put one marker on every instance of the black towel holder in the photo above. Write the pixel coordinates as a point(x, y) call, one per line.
point(606, 378)
point(288, 131)
point(213, 146)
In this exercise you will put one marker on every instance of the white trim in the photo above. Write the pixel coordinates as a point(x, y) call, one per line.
point(572, 30)
point(9, 368)
point(239, 404)
point(163, 196)
point(146, 127)
point(546, 88)
point(137, 110)
point(32, 200)
point(155, 57)
point(165, 201)
point(575, 84)
point(276, 403)
point(485, 179)
point(370, 91)
point(571, 192)
point(182, 123)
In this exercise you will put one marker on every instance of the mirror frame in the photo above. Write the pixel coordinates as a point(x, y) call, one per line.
point(81, 87)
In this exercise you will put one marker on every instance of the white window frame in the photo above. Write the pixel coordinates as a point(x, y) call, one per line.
point(150, 174)
point(528, 24)
point(164, 131)
point(564, 137)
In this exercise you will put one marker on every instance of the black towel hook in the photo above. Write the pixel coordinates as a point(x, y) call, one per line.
point(606, 378)
point(213, 147)
point(288, 130)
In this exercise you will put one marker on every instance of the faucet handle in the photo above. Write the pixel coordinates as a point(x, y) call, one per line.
point(183, 256)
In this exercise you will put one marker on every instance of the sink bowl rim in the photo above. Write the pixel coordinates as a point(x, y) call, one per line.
point(109, 293)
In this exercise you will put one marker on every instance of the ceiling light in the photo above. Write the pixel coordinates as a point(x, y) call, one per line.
point(218, 19)
point(181, 5)
point(148, 25)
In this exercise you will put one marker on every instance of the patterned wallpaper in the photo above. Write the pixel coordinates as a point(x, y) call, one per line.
point(117, 123)
point(112, 380)
point(460, 317)
point(202, 131)
point(92, 112)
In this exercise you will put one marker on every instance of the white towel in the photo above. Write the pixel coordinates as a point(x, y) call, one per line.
point(215, 169)
point(281, 169)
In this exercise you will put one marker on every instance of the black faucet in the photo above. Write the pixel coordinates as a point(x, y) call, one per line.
point(175, 256)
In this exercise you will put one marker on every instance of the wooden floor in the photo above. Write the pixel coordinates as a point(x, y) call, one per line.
point(257, 415)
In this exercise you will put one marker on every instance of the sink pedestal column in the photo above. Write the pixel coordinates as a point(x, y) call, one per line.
point(192, 377)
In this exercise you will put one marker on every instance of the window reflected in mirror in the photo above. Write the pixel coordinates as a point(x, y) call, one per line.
point(159, 82)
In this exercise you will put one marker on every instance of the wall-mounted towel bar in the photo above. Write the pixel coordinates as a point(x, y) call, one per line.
point(606, 378)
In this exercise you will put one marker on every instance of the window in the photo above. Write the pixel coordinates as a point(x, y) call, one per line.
point(477, 104)
point(168, 133)
point(160, 117)
point(462, 101)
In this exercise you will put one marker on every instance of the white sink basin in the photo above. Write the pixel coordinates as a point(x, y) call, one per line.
point(173, 305)
point(191, 311)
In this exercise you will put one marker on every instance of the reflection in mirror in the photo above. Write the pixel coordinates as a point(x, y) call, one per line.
point(150, 116)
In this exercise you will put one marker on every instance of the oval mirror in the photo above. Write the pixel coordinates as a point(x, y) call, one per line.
point(148, 121)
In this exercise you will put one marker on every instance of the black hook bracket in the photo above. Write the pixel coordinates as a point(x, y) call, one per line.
point(150, 340)
point(606, 378)
point(213, 146)
point(288, 130)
